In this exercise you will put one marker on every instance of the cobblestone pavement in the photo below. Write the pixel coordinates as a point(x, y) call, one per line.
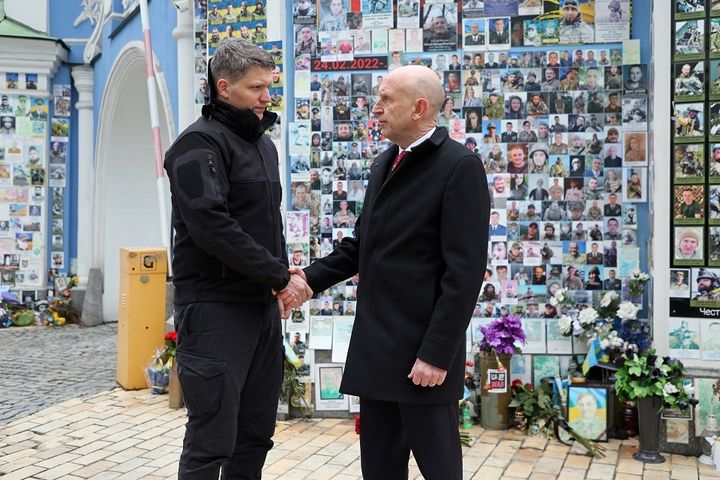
point(134, 435)
point(42, 366)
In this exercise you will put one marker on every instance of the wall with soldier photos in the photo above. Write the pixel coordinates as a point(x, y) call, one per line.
point(551, 95)
point(34, 132)
point(694, 331)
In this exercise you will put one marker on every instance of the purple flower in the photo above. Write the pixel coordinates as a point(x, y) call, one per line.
point(501, 335)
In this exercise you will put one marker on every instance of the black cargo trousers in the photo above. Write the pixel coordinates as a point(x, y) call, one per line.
point(230, 366)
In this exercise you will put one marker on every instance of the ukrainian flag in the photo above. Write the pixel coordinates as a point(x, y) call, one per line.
point(594, 356)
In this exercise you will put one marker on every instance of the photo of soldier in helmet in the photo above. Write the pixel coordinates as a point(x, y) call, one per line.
point(707, 286)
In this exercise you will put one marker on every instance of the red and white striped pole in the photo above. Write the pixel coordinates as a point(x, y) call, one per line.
point(155, 124)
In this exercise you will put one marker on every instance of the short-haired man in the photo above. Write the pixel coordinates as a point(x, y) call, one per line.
point(229, 258)
point(405, 359)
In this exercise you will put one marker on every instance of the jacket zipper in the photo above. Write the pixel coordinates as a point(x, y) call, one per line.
point(270, 196)
point(211, 165)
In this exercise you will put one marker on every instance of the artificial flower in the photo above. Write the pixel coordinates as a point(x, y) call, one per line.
point(628, 311)
point(565, 325)
point(588, 316)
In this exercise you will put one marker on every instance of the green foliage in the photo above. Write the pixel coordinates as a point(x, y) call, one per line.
point(535, 403)
point(295, 388)
point(650, 375)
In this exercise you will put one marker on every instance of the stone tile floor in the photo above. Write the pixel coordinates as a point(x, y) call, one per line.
point(134, 435)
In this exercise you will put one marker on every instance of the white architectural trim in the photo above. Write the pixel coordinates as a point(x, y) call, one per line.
point(131, 53)
point(184, 34)
point(31, 55)
point(662, 158)
point(84, 81)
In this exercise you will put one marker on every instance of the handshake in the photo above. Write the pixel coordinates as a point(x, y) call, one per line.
point(295, 293)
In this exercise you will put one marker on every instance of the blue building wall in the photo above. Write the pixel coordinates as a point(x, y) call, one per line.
point(116, 35)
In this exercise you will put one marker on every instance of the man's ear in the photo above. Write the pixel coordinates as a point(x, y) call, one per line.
point(222, 88)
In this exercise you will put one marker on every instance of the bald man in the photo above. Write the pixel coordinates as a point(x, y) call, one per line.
point(418, 247)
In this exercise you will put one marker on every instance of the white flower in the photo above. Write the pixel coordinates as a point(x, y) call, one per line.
point(669, 389)
point(628, 311)
point(588, 316)
point(565, 324)
point(553, 301)
point(659, 362)
point(616, 342)
point(560, 294)
point(644, 277)
point(688, 389)
point(604, 343)
point(636, 273)
point(577, 328)
point(608, 298)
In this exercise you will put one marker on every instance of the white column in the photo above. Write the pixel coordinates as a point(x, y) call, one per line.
point(661, 168)
point(84, 77)
point(184, 34)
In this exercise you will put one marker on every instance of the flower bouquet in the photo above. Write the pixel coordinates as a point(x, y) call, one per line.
point(501, 338)
point(157, 372)
point(651, 375)
point(654, 382)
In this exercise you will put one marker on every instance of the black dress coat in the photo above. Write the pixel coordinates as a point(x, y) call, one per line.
point(420, 247)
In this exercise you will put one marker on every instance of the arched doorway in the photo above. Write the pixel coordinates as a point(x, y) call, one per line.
point(127, 213)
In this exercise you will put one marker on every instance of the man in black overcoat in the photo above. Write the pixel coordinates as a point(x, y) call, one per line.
point(420, 248)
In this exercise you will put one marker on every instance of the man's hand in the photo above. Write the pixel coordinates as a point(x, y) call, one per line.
point(284, 313)
point(296, 292)
point(426, 375)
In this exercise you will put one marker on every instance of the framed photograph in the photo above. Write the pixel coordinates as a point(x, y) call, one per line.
point(545, 366)
point(635, 184)
point(60, 284)
point(327, 387)
point(677, 430)
point(689, 9)
point(684, 338)
point(690, 40)
point(708, 403)
point(679, 283)
point(703, 285)
point(588, 411)
point(689, 204)
point(689, 163)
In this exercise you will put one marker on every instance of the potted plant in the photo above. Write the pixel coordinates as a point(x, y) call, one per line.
point(501, 339)
point(653, 382)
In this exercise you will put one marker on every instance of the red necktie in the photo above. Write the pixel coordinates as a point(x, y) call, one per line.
point(397, 160)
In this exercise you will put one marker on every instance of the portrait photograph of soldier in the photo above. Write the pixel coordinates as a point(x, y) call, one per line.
point(473, 33)
point(439, 24)
point(714, 121)
point(679, 283)
point(705, 287)
point(689, 160)
point(714, 37)
point(714, 87)
point(689, 8)
point(714, 246)
point(689, 80)
point(689, 120)
point(690, 39)
point(714, 204)
point(689, 246)
point(684, 335)
point(689, 204)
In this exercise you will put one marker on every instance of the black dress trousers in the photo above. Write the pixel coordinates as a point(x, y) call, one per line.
point(230, 366)
point(390, 430)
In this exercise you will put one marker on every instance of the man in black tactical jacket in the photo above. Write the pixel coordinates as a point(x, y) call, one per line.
point(229, 258)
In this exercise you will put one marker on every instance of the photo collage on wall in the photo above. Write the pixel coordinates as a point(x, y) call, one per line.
point(57, 174)
point(216, 20)
point(549, 99)
point(695, 189)
point(24, 113)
